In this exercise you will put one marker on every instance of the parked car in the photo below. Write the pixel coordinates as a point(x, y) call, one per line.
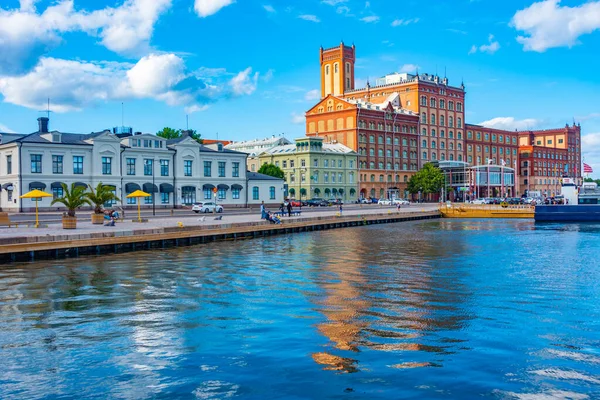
point(317, 202)
point(207, 207)
point(478, 201)
point(402, 202)
point(374, 200)
point(362, 200)
point(335, 202)
point(384, 202)
point(297, 203)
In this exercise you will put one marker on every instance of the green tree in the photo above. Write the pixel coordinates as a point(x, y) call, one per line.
point(102, 194)
point(597, 181)
point(170, 133)
point(428, 180)
point(73, 198)
point(271, 170)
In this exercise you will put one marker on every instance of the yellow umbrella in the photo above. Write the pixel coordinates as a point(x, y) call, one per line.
point(36, 194)
point(137, 194)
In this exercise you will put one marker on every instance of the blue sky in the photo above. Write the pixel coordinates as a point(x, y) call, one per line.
point(250, 69)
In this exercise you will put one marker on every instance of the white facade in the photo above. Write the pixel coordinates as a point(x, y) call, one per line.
point(264, 188)
point(179, 171)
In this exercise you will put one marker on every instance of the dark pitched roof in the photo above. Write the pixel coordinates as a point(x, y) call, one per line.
point(255, 176)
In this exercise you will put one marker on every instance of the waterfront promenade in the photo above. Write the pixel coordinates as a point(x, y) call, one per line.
point(53, 241)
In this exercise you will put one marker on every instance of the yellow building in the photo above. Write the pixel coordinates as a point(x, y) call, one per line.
point(316, 169)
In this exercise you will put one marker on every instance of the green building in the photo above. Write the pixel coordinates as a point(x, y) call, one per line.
point(316, 169)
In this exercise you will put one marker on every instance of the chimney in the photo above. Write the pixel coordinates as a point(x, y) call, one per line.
point(185, 133)
point(43, 124)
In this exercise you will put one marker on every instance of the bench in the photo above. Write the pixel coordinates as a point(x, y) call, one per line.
point(296, 213)
point(5, 220)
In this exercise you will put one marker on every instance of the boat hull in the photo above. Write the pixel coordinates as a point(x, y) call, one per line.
point(458, 210)
point(568, 213)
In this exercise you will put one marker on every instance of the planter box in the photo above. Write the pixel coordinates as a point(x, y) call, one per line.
point(97, 219)
point(69, 222)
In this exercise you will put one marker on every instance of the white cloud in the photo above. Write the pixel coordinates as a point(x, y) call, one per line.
point(370, 19)
point(547, 25)
point(490, 48)
point(26, 35)
point(297, 118)
point(312, 95)
point(5, 129)
point(334, 2)
point(268, 75)
point(309, 17)
point(269, 8)
point(206, 8)
point(74, 85)
point(590, 146)
point(510, 123)
point(244, 82)
point(342, 10)
point(410, 68)
point(404, 22)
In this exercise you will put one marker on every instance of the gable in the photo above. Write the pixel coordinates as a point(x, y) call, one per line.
point(330, 104)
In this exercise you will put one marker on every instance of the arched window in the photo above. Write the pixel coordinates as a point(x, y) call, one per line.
point(459, 107)
point(397, 166)
point(405, 178)
point(380, 152)
point(396, 141)
point(372, 152)
point(388, 153)
point(450, 122)
point(372, 165)
point(389, 165)
point(451, 105)
point(327, 69)
point(442, 156)
point(433, 133)
point(371, 139)
point(424, 144)
point(451, 145)
point(372, 178)
point(451, 157)
point(381, 178)
point(404, 153)
point(433, 156)
point(396, 153)
point(442, 145)
point(380, 139)
point(432, 102)
point(442, 103)
point(459, 122)
point(423, 118)
point(433, 118)
point(424, 155)
point(433, 144)
point(424, 100)
point(404, 142)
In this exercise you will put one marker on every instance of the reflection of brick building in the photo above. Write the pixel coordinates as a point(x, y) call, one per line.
point(547, 155)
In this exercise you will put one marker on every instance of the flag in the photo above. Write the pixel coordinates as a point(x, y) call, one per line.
point(503, 163)
point(587, 169)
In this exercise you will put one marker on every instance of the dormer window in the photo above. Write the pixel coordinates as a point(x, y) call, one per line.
point(56, 137)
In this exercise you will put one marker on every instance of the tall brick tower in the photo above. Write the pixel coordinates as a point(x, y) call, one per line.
point(337, 70)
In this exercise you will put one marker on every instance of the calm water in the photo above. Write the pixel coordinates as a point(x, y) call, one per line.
point(424, 310)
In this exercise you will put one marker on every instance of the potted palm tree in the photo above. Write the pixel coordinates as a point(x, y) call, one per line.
point(72, 199)
point(102, 194)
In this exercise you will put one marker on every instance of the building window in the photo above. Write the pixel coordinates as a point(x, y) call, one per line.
point(272, 193)
point(187, 168)
point(148, 166)
point(423, 118)
point(149, 199)
point(255, 194)
point(57, 192)
point(207, 168)
point(433, 119)
point(221, 169)
point(164, 167)
point(207, 194)
point(235, 194)
point(222, 194)
point(164, 198)
point(8, 165)
point(130, 164)
point(57, 164)
point(291, 163)
point(236, 170)
point(131, 201)
point(188, 195)
point(77, 165)
point(36, 163)
point(106, 165)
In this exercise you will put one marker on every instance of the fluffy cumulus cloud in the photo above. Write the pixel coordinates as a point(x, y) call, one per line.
point(590, 146)
point(404, 22)
point(312, 95)
point(26, 35)
point(370, 19)
point(309, 17)
point(510, 123)
point(73, 85)
point(206, 8)
point(547, 24)
point(490, 48)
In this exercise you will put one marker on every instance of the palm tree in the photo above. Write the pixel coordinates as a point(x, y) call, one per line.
point(101, 195)
point(72, 199)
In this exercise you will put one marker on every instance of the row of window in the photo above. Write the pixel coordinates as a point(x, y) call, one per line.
point(388, 153)
point(158, 144)
point(130, 165)
point(500, 150)
point(335, 178)
point(442, 145)
point(548, 141)
point(470, 160)
point(381, 178)
point(380, 165)
point(442, 133)
point(388, 127)
point(501, 138)
point(433, 102)
point(388, 140)
point(442, 156)
point(326, 164)
point(432, 120)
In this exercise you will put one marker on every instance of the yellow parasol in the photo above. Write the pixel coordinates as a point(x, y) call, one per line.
point(137, 194)
point(36, 194)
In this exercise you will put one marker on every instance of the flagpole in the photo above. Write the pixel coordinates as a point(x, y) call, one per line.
point(502, 178)
point(488, 177)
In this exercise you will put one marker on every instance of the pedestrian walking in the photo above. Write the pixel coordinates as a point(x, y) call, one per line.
point(289, 208)
point(263, 212)
point(340, 208)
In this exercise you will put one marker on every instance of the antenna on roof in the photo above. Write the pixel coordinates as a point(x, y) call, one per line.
point(47, 110)
point(187, 122)
point(445, 75)
point(122, 114)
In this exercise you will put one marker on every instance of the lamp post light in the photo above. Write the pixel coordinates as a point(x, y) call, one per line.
point(153, 191)
point(420, 190)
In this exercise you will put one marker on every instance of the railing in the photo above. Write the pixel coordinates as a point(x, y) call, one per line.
point(491, 207)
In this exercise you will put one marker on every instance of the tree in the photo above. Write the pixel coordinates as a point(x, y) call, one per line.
point(597, 181)
point(102, 194)
point(72, 199)
point(170, 133)
point(428, 180)
point(271, 170)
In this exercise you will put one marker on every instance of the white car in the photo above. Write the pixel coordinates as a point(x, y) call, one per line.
point(478, 201)
point(402, 202)
point(207, 207)
point(384, 202)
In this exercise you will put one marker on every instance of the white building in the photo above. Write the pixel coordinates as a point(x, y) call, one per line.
point(264, 188)
point(177, 172)
point(254, 148)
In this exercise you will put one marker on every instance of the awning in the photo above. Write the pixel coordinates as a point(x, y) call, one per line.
point(132, 187)
point(236, 186)
point(150, 188)
point(37, 185)
point(222, 186)
point(341, 190)
point(56, 185)
point(81, 184)
point(166, 188)
point(111, 187)
point(7, 186)
point(208, 186)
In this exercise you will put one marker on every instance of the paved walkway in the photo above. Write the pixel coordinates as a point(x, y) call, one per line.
point(127, 227)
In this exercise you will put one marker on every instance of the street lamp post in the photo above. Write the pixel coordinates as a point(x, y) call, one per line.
point(420, 190)
point(153, 191)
